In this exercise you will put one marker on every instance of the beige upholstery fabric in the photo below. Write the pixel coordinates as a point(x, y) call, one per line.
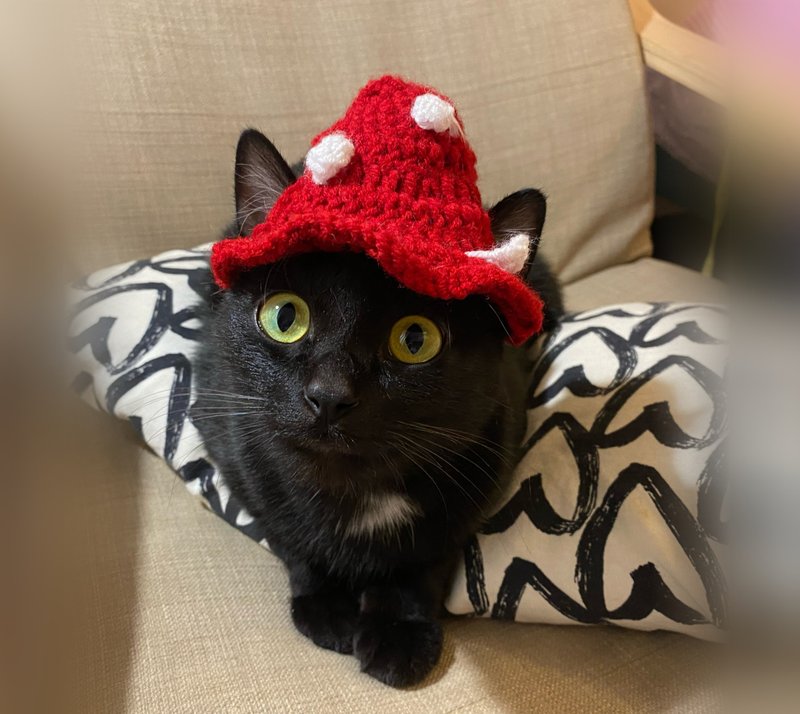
point(551, 93)
point(191, 616)
point(645, 280)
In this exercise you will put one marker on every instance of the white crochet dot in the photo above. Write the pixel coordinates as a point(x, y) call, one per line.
point(329, 156)
point(511, 256)
point(433, 113)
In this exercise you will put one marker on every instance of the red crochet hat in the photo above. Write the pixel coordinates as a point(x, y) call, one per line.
point(395, 179)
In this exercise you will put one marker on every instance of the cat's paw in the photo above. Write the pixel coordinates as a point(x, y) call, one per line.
point(398, 652)
point(328, 619)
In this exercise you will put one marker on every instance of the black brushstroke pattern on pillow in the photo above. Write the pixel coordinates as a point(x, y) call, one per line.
point(595, 516)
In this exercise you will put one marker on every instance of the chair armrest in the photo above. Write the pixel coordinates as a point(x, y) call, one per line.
point(678, 53)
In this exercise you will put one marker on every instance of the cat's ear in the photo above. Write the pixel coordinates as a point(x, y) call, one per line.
point(517, 223)
point(262, 175)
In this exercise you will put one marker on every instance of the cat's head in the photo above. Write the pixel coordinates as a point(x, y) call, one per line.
point(357, 376)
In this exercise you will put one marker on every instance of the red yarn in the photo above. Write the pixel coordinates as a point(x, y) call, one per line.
point(408, 198)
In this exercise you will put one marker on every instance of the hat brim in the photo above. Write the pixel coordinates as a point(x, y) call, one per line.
point(433, 268)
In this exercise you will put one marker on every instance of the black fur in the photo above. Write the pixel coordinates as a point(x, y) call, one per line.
point(442, 434)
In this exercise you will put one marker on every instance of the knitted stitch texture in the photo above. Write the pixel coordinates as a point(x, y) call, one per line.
point(400, 188)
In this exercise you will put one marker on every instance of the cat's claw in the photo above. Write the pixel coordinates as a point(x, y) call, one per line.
point(399, 653)
point(328, 620)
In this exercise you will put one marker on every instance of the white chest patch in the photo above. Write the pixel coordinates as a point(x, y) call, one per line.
point(384, 512)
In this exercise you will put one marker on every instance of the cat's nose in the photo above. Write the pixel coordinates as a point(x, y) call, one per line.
point(330, 401)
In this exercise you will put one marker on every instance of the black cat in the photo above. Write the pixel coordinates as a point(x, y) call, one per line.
point(368, 468)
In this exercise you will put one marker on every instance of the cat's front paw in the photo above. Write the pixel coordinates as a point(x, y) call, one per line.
point(328, 619)
point(398, 652)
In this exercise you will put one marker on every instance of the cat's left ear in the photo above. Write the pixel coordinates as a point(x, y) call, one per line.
point(517, 223)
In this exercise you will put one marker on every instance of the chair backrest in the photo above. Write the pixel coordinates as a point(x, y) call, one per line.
point(551, 94)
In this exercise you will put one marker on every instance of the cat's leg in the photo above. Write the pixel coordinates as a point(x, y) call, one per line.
point(323, 610)
point(399, 637)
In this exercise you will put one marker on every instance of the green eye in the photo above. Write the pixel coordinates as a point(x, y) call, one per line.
point(415, 339)
point(284, 317)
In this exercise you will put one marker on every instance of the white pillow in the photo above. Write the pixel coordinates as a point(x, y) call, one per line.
point(614, 514)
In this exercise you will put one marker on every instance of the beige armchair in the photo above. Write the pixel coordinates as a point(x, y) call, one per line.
point(190, 615)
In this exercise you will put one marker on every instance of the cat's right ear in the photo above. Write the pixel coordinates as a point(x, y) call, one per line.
point(262, 175)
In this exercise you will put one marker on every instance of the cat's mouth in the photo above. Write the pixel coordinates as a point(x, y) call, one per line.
point(330, 442)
